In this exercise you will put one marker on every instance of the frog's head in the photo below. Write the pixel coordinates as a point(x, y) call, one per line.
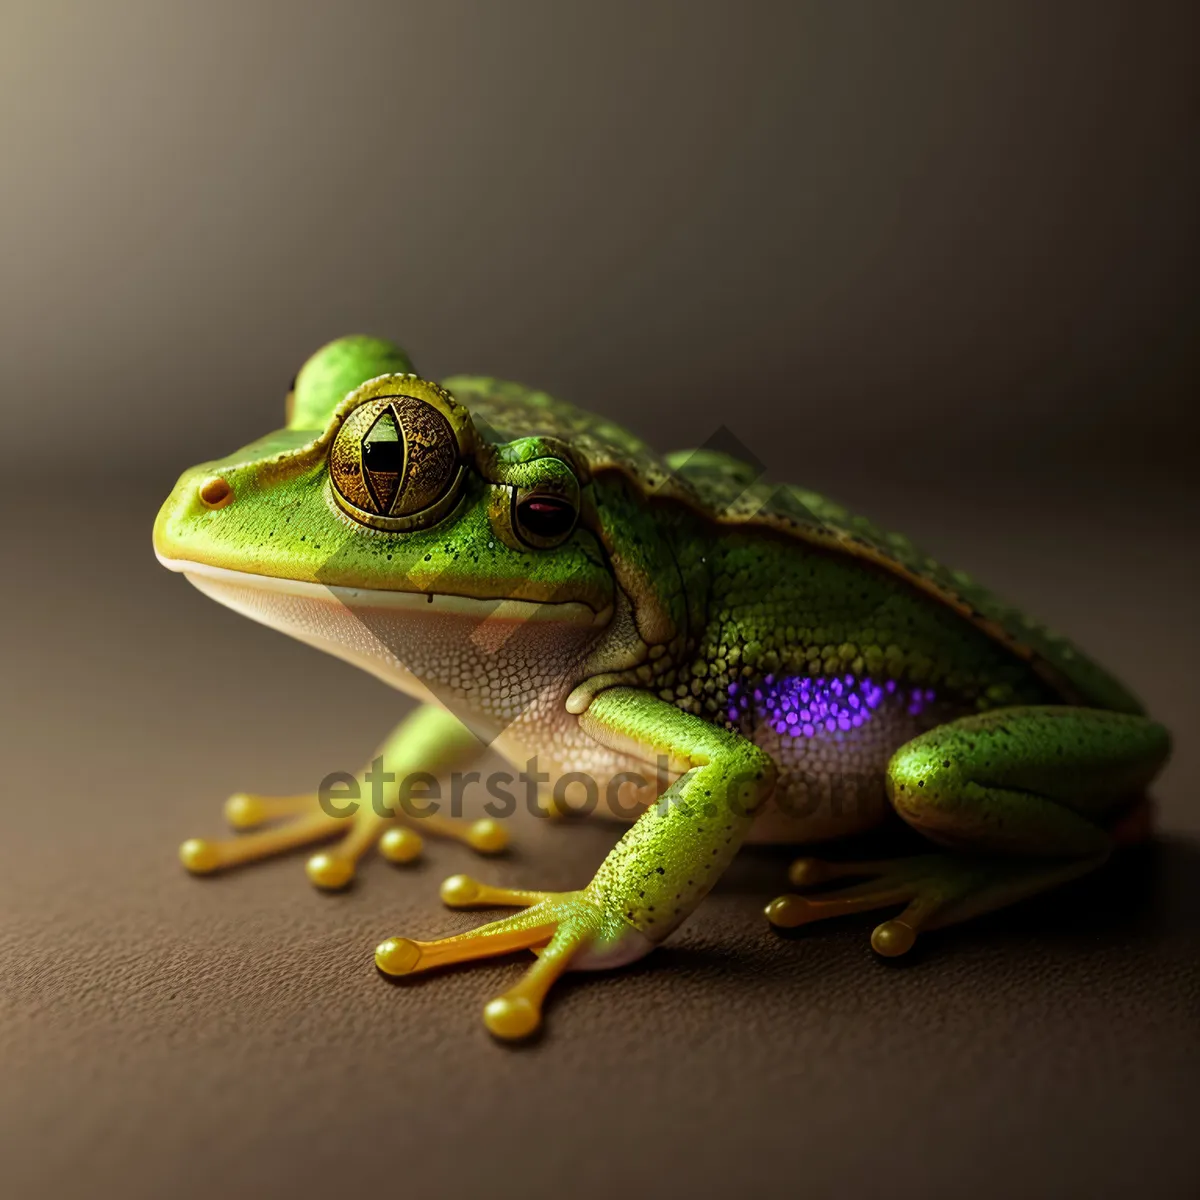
point(388, 526)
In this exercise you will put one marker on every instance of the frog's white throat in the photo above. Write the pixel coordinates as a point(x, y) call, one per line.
point(497, 657)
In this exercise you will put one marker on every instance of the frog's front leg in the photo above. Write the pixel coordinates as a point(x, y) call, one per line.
point(651, 880)
point(1024, 798)
point(428, 740)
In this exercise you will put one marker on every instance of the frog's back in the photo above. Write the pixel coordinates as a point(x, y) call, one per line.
point(730, 493)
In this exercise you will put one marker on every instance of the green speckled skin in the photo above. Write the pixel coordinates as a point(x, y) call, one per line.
point(644, 600)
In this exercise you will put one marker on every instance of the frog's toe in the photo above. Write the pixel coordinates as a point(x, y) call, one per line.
point(486, 836)
point(294, 821)
point(401, 845)
point(245, 810)
point(792, 910)
point(512, 1018)
point(923, 884)
point(203, 856)
point(461, 891)
point(934, 889)
point(330, 871)
point(560, 928)
point(893, 938)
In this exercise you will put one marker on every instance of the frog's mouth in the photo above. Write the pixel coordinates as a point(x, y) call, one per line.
point(212, 579)
point(416, 641)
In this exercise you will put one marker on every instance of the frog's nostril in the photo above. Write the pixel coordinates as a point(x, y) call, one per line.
point(215, 493)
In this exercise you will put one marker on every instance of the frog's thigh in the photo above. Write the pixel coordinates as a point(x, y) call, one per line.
point(1022, 795)
point(1036, 781)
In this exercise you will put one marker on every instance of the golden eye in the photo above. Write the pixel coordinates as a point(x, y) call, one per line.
point(395, 463)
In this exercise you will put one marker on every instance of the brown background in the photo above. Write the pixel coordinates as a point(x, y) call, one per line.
point(938, 260)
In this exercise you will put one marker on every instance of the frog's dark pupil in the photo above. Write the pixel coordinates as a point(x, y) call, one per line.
point(546, 516)
point(383, 456)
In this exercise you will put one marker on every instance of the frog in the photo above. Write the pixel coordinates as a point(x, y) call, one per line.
point(709, 657)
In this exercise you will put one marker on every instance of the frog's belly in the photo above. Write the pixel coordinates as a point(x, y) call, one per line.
point(831, 784)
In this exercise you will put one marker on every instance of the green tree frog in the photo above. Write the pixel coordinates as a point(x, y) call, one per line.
point(708, 656)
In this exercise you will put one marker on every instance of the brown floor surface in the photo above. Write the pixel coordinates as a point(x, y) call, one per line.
point(161, 1035)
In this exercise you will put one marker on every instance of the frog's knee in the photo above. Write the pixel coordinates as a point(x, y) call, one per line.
point(924, 779)
point(756, 777)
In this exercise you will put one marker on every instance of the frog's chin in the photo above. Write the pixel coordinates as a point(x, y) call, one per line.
point(402, 637)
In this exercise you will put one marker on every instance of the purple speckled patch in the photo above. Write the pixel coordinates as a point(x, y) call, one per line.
point(817, 706)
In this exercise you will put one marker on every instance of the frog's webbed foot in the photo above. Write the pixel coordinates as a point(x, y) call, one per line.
point(429, 740)
point(563, 929)
point(295, 821)
point(934, 889)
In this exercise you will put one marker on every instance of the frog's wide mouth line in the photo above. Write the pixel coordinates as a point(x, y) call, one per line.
point(499, 608)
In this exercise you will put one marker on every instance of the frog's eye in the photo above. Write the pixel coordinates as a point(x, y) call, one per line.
point(395, 463)
point(543, 517)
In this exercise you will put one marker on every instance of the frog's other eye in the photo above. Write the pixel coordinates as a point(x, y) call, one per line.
point(535, 501)
point(543, 520)
point(395, 464)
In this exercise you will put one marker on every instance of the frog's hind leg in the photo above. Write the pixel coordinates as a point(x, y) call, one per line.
point(429, 740)
point(1025, 798)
